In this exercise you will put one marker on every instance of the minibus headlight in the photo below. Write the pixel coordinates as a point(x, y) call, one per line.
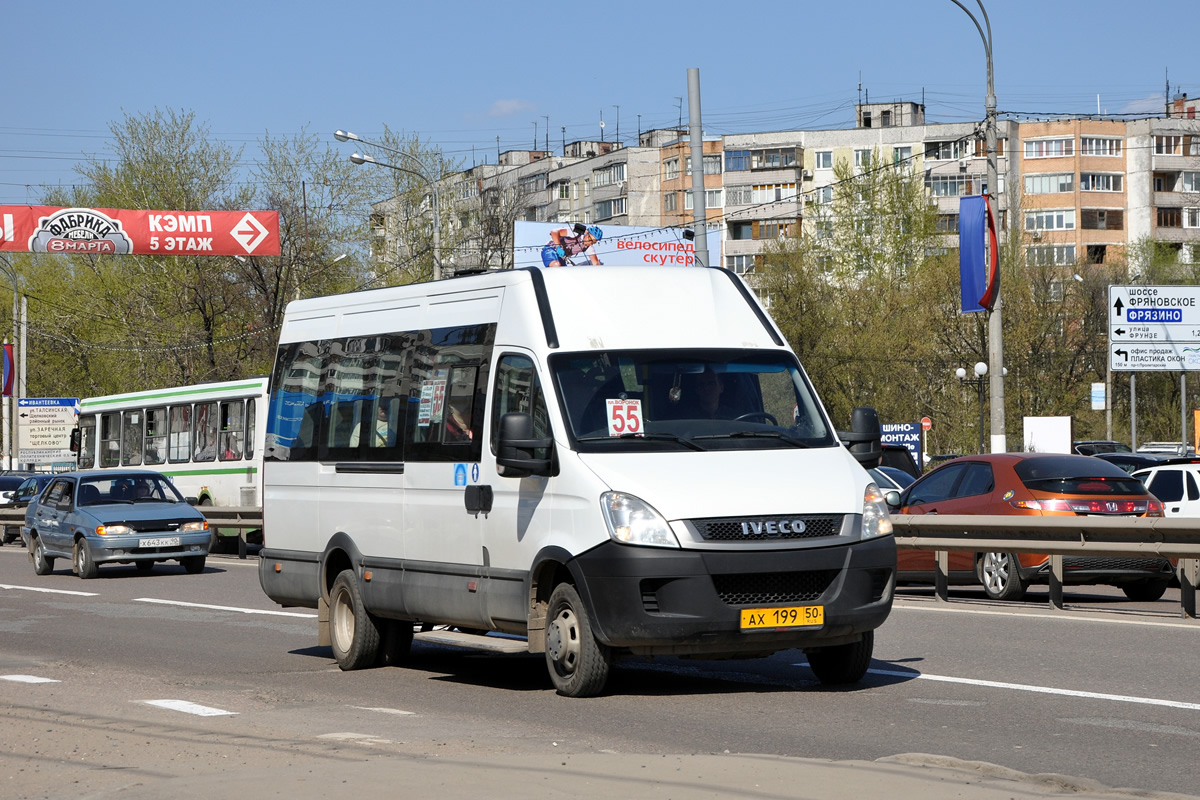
point(875, 519)
point(631, 520)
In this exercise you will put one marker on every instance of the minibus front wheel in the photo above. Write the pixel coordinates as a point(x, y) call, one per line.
point(353, 634)
point(578, 664)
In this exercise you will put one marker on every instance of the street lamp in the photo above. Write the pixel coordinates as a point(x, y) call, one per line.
point(347, 136)
point(995, 327)
point(978, 382)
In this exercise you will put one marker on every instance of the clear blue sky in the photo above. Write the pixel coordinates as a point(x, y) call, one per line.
point(461, 74)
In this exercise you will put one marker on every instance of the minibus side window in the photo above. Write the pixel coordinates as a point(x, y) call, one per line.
point(206, 432)
point(366, 403)
point(296, 413)
point(233, 430)
point(131, 439)
point(180, 436)
point(251, 422)
point(517, 389)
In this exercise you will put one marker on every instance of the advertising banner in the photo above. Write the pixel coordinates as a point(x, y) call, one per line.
point(49, 229)
point(563, 244)
point(907, 434)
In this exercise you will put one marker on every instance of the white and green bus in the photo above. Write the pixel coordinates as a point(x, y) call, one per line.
point(207, 438)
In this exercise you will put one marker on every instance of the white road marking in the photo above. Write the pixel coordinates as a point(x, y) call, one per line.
point(190, 708)
point(385, 710)
point(1057, 615)
point(47, 591)
point(27, 679)
point(223, 608)
point(1025, 687)
point(357, 738)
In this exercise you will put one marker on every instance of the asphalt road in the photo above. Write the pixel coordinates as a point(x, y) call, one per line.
point(1105, 692)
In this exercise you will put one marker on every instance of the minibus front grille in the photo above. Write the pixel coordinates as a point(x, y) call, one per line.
point(773, 588)
point(767, 528)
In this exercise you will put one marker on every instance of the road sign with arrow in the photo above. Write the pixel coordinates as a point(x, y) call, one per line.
point(1154, 328)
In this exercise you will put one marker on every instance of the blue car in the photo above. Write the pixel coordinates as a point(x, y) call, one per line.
point(114, 517)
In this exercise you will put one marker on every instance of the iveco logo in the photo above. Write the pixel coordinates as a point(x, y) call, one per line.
point(773, 527)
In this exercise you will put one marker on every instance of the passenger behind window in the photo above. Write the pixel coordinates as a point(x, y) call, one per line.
point(381, 433)
point(458, 425)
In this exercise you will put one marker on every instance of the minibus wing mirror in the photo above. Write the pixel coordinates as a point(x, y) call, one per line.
point(516, 448)
point(865, 437)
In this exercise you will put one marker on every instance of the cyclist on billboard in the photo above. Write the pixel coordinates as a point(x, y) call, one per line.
point(563, 245)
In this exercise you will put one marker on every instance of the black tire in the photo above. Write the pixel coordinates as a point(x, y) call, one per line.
point(144, 566)
point(82, 563)
point(1145, 591)
point(1000, 574)
point(578, 664)
point(192, 565)
point(843, 663)
point(353, 632)
point(395, 642)
point(42, 563)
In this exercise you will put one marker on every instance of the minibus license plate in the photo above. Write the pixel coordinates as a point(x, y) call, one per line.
point(161, 541)
point(769, 619)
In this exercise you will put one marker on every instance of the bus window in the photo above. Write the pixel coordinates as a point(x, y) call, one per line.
point(155, 449)
point(250, 427)
point(110, 439)
point(205, 448)
point(181, 434)
point(233, 430)
point(87, 441)
point(131, 439)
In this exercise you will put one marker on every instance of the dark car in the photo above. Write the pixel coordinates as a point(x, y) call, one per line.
point(1091, 447)
point(1038, 484)
point(19, 497)
point(1131, 462)
point(114, 516)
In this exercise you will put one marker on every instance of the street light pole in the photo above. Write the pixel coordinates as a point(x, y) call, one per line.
point(995, 326)
point(978, 382)
point(345, 136)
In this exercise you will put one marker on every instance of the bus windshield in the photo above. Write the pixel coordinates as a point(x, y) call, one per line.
point(694, 399)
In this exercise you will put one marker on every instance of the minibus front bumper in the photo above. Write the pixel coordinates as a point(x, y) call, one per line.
point(657, 601)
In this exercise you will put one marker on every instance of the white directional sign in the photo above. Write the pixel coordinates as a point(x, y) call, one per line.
point(1154, 328)
point(44, 432)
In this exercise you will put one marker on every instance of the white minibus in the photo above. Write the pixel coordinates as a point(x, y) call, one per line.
point(587, 462)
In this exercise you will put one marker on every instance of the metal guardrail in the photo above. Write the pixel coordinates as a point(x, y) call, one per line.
point(1150, 537)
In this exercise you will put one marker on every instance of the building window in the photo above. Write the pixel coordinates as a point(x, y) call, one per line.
point(671, 168)
point(947, 223)
point(1102, 219)
point(773, 229)
point(1096, 253)
point(1050, 255)
point(885, 119)
point(769, 193)
point(774, 158)
point(737, 160)
point(945, 151)
point(608, 209)
point(1191, 181)
point(824, 159)
point(862, 159)
point(1191, 217)
point(738, 195)
point(671, 201)
point(1062, 220)
point(949, 185)
point(713, 198)
point(740, 264)
point(824, 229)
point(981, 148)
point(1050, 184)
point(564, 191)
point(1169, 218)
point(1049, 148)
point(1098, 182)
point(741, 231)
point(901, 155)
point(1099, 146)
point(1168, 145)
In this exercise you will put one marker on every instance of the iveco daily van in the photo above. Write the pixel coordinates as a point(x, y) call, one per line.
point(596, 462)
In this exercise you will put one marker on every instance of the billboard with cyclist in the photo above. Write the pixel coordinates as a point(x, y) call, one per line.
point(564, 244)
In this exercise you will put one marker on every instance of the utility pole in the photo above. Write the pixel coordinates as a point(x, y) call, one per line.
point(696, 130)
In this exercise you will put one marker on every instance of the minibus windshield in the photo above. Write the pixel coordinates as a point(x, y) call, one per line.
point(688, 399)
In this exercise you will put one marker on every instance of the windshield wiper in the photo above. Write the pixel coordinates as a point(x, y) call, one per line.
point(661, 437)
point(757, 435)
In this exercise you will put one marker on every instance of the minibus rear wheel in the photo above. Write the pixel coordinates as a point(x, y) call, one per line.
point(353, 633)
point(578, 664)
